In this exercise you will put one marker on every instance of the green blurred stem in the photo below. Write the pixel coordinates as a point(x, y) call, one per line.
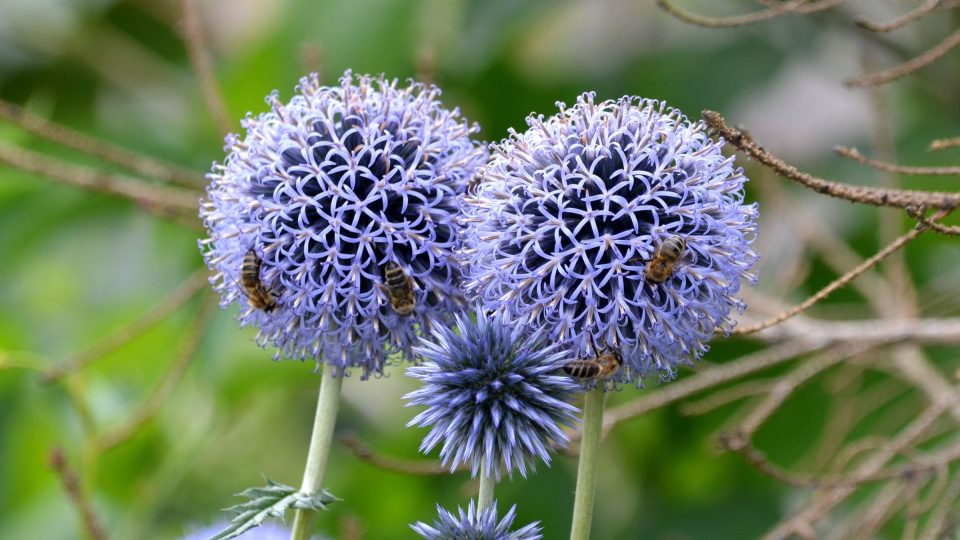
point(487, 483)
point(326, 418)
point(587, 468)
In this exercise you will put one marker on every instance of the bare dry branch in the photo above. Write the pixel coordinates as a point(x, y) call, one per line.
point(926, 331)
point(943, 144)
point(834, 285)
point(900, 198)
point(854, 154)
point(775, 10)
point(138, 163)
point(195, 40)
point(164, 201)
point(950, 230)
point(180, 296)
point(186, 352)
point(901, 21)
point(708, 378)
point(936, 523)
point(422, 467)
point(728, 395)
point(908, 67)
point(803, 520)
point(70, 483)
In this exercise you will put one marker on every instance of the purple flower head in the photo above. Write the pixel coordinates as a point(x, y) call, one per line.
point(323, 196)
point(493, 395)
point(574, 223)
point(266, 531)
point(474, 525)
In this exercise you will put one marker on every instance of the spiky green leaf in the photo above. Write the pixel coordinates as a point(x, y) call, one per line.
point(272, 500)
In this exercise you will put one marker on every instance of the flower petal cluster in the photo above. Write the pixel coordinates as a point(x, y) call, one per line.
point(476, 525)
point(324, 192)
point(569, 219)
point(494, 394)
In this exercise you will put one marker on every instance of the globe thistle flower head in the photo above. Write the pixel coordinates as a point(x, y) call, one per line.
point(476, 525)
point(324, 198)
point(493, 395)
point(618, 225)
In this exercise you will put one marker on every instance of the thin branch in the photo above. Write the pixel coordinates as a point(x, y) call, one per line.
point(950, 230)
point(901, 21)
point(854, 154)
point(935, 526)
point(802, 521)
point(727, 396)
point(792, 6)
point(908, 67)
point(70, 483)
point(180, 296)
point(186, 352)
point(163, 201)
point(899, 198)
point(421, 467)
point(943, 144)
point(138, 163)
point(311, 58)
point(834, 285)
point(708, 378)
point(926, 331)
point(196, 43)
point(789, 383)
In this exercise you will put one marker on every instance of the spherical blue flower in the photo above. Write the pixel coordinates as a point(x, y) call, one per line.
point(574, 222)
point(326, 197)
point(493, 395)
point(474, 525)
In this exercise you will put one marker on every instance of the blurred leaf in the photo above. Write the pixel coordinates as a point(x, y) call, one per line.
point(270, 501)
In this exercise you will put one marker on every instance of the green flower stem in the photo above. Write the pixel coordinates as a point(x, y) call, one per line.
point(587, 468)
point(326, 418)
point(487, 483)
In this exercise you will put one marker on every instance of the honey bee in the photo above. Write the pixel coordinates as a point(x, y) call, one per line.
point(258, 295)
point(665, 258)
point(399, 287)
point(600, 367)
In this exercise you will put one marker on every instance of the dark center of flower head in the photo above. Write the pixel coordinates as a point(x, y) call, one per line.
point(347, 198)
point(619, 226)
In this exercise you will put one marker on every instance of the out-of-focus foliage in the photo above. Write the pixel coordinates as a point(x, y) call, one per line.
point(77, 266)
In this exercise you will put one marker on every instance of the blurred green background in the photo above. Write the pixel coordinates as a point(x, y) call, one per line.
point(77, 266)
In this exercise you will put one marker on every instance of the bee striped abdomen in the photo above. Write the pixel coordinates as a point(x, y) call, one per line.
point(258, 295)
point(600, 367)
point(399, 288)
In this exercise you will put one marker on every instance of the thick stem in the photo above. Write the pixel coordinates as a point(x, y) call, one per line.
point(487, 483)
point(323, 422)
point(587, 468)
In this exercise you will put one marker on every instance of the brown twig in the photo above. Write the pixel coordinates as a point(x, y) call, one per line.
point(311, 58)
point(900, 198)
point(180, 296)
point(421, 467)
point(789, 383)
point(708, 378)
point(908, 67)
point(854, 154)
point(727, 396)
point(943, 144)
point(901, 21)
point(163, 201)
point(803, 520)
point(950, 230)
point(834, 285)
point(70, 483)
point(186, 352)
point(935, 526)
point(793, 6)
point(138, 163)
point(195, 40)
